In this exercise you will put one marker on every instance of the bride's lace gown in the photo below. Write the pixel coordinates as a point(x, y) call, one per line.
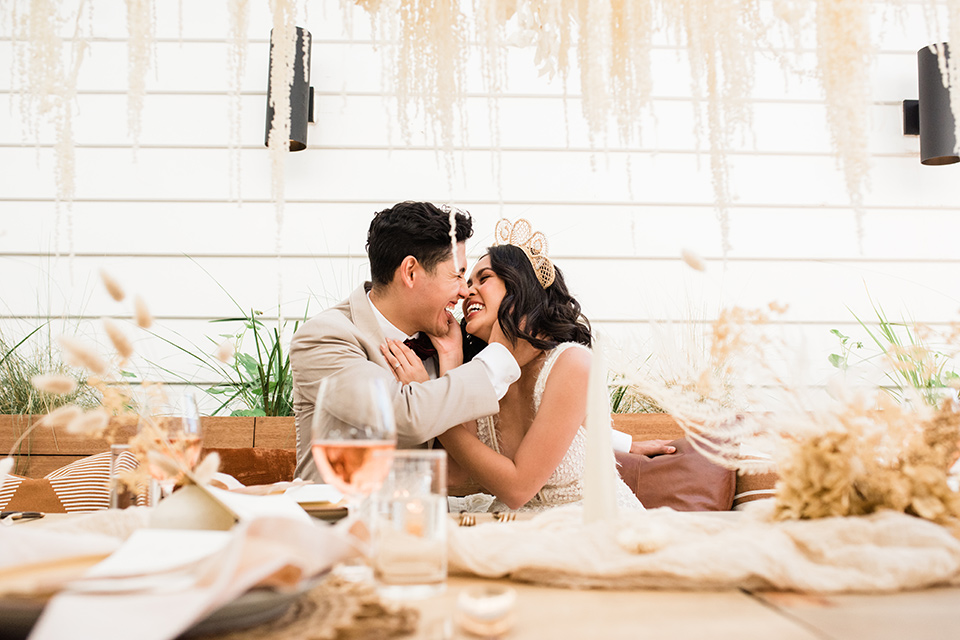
point(565, 486)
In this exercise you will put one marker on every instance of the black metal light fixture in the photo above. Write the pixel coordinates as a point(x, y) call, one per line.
point(931, 117)
point(301, 93)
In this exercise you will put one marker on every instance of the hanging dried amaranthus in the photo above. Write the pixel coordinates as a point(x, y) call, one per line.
point(283, 50)
point(631, 85)
point(433, 42)
point(239, 13)
point(844, 51)
point(140, 39)
point(950, 69)
point(719, 38)
point(47, 86)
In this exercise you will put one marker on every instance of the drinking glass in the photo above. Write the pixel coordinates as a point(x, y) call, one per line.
point(410, 526)
point(121, 496)
point(174, 432)
point(352, 420)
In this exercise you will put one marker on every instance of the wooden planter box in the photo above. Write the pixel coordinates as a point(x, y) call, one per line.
point(45, 449)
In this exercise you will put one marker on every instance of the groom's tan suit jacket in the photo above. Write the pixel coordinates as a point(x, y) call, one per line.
point(346, 339)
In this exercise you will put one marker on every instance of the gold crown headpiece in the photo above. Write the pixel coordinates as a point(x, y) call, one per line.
point(521, 234)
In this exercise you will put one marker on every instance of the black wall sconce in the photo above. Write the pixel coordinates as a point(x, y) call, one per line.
point(931, 117)
point(301, 93)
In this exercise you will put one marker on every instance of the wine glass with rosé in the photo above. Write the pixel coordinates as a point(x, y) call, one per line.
point(174, 434)
point(352, 420)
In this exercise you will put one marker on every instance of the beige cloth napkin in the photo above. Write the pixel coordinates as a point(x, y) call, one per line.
point(272, 551)
point(37, 562)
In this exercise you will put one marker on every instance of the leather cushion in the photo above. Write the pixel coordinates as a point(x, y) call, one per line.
point(257, 466)
point(684, 481)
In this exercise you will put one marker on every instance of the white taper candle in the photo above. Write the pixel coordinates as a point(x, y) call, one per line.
point(599, 491)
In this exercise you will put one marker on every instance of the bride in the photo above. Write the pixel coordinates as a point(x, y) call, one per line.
point(531, 455)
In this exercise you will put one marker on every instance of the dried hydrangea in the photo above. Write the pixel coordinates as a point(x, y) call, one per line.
point(882, 459)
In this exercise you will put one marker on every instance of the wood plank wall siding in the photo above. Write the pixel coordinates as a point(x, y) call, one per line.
point(167, 223)
point(45, 450)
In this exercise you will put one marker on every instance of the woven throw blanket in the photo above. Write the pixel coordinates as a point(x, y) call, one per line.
point(662, 548)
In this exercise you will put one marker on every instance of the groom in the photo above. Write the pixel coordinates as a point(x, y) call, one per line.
point(415, 284)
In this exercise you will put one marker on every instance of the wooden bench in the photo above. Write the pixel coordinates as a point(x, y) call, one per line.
point(45, 449)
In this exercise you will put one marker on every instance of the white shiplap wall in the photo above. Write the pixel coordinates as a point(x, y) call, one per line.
point(616, 220)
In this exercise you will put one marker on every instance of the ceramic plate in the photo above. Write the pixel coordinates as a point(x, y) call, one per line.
point(326, 511)
point(252, 608)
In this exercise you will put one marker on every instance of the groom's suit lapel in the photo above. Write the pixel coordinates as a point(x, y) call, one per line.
point(366, 323)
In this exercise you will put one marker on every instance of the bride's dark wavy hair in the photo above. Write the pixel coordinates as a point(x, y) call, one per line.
point(548, 316)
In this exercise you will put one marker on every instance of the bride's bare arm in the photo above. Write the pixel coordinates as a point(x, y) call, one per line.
point(458, 476)
point(562, 411)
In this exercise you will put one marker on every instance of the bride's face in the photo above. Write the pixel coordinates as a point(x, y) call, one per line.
point(485, 291)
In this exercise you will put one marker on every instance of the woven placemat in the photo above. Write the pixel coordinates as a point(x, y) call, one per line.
point(333, 610)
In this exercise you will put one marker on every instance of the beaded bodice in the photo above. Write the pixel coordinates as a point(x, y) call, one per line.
point(565, 485)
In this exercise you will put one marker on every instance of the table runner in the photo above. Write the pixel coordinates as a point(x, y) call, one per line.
point(662, 548)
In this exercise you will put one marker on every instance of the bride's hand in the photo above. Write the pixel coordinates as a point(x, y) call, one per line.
point(652, 447)
point(449, 346)
point(406, 365)
point(523, 352)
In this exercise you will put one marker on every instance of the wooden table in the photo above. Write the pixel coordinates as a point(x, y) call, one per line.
point(930, 614)
point(556, 614)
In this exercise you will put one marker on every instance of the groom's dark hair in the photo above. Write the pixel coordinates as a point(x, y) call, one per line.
point(418, 229)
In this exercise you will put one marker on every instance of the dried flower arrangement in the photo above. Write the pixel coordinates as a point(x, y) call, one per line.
point(858, 460)
point(849, 454)
point(152, 443)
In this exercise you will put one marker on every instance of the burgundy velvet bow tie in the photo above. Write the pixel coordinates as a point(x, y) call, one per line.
point(421, 346)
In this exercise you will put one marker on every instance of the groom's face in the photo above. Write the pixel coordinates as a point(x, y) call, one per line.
point(439, 291)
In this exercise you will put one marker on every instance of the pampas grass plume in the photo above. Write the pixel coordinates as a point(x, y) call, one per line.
point(144, 319)
point(205, 471)
point(112, 286)
point(53, 383)
point(225, 351)
point(79, 354)
point(61, 417)
point(120, 341)
point(693, 260)
point(163, 463)
point(92, 423)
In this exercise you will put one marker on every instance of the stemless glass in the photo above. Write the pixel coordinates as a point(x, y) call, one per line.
point(177, 435)
point(352, 420)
